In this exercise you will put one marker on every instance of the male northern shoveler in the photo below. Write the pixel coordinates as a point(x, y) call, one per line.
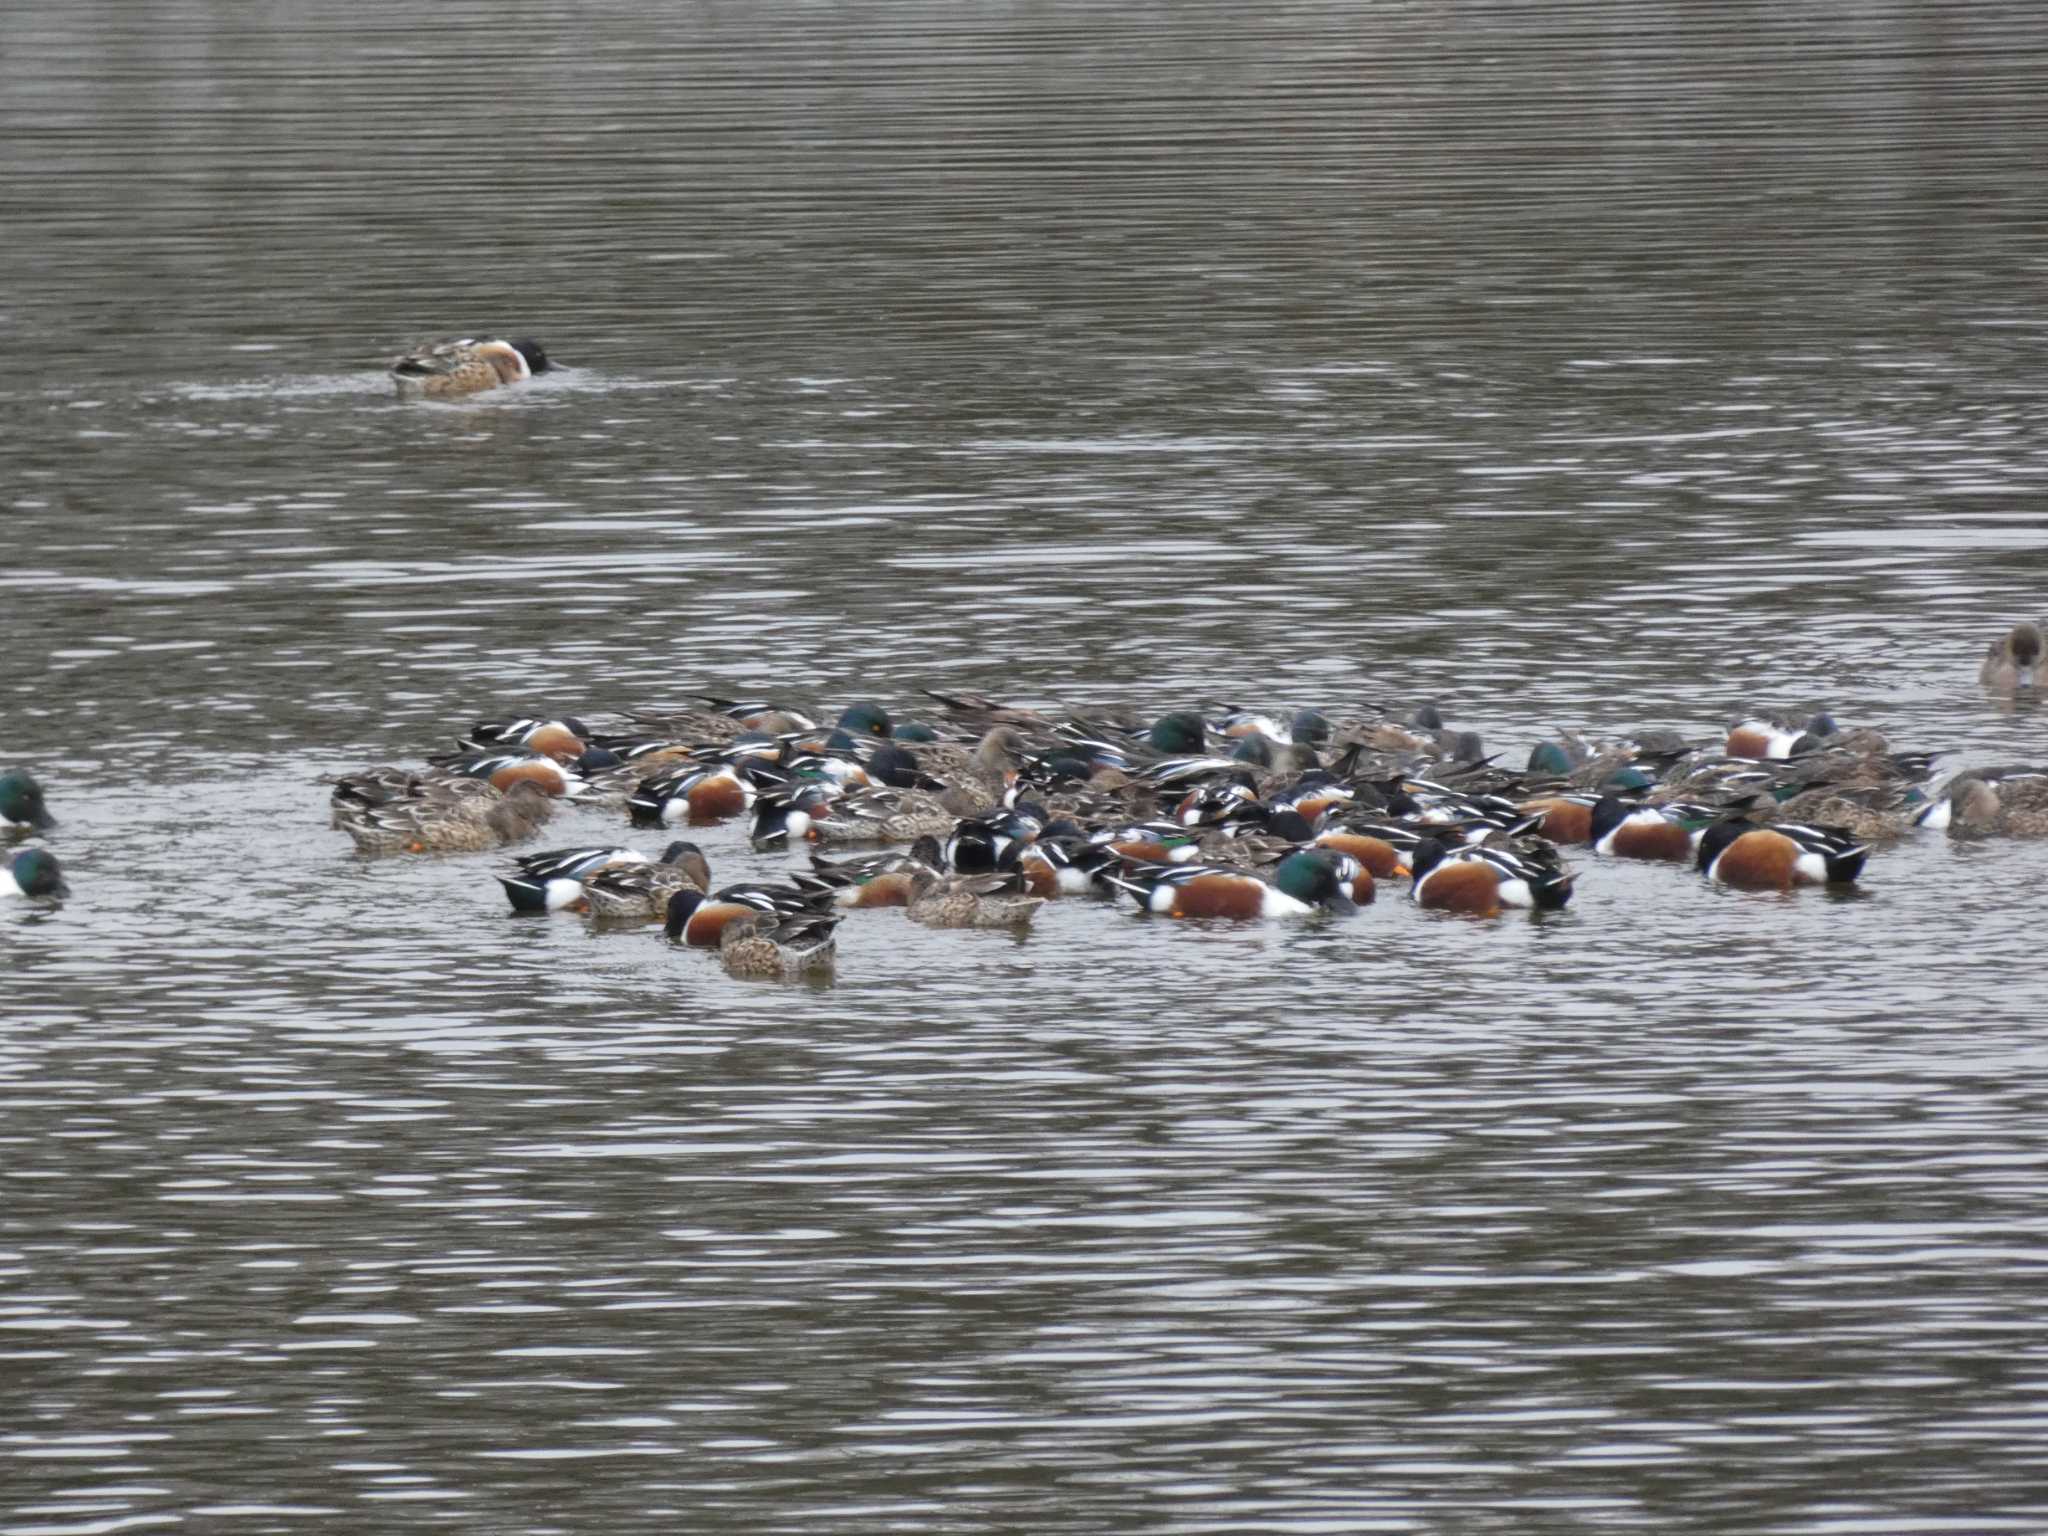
point(699, 920)
point(758, 944)
point(1778, 857)
point(33, 872)
point(2014, 659)
point(970, 901)
point(1624, 830)
point(21, 803)
point(692, 792)
point(563, 738)
point(1765, 740)
point(444, 370)
point(1309, 881)
point(875, 879)
point(1480, 880)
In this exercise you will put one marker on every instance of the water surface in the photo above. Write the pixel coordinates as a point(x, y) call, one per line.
point(1608, 368)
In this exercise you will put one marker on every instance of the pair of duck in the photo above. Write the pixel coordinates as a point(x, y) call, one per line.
point(30, 872)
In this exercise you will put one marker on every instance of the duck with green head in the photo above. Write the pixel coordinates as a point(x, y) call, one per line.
point(34, 873)
point(21, 803)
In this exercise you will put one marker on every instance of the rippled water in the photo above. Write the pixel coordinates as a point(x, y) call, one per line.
point(1609, 367)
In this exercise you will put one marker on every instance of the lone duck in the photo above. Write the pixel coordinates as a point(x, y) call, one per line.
point(443, 370)
point(2013, 661)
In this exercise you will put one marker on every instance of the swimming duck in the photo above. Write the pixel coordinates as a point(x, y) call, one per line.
point(1776, 858)
point(444, 370)
point(2014, 659)
point(1308, 881)
point(875, 879)
point(692, 792)
point(1480, 880)
point(34, 873)
point(553, 881)
point(2013, 804)
point(699, 920)
point(643, 889)
point(440, 819)
point(21, 803)
point(760, 945)
point(563, 739)
point(970, 901)
point(1624, 830)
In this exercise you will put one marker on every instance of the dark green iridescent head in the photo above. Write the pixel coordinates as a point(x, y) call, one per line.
point(1311, 727)
point(21, 801)
point(36, 873)
point(865, 719)
point(1181, 731)
point(1309, 876)
point(1550, 757)
point(915, 730)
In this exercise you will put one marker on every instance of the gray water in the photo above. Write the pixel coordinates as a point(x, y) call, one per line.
point(1601, 366)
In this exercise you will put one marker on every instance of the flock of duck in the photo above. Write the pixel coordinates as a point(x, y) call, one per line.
point(977, 819)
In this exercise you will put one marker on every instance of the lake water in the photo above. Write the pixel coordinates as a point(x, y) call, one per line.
point(1605, 366)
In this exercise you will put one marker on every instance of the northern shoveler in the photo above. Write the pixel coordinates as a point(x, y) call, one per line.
point(1624, 830)
point(33, 872)
point(2014, 659)
point(1777, 857)
point(642, 890)
point(2012, 804)
point(692, 792)
point(563, 738)
point(875, 879)
point(1309, 881)
point(760, 945)
point(442, 818)
point(445, 370)
point(1481, 880)
point(970, 901)
point(21, 803)
point(699, 920)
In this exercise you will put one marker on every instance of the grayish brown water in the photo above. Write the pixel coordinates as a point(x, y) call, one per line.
point(1607, 366)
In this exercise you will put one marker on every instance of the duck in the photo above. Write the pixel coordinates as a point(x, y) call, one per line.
point(875, 879)
point(34, 873)
point(1480, 880)
point(642, 890)
point(1308, 881)
point(447, 370)
point(970, 901)
point(761, 945)
point(442, 819)
point(1622, 829)
point(1740, 853)
point(699, 920)
point(564, 738)
point(553, 881)
point(1761, 739)
point(2013, 660)
point(863, 816)
point(21, 803)
point(2014, 804)
point(692, 792)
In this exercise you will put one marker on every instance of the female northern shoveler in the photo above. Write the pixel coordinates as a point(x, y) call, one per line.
point(21, 802)
point(758, 944)
point(1778, 857)
point(864, 816)
point(970, 901)
point(1310, 881)
point(458, 816)
point(2014, 659)
point(642, 890)
point(443, 370)
point(33, 872)
point(2014, 803)
point(1480, 881)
